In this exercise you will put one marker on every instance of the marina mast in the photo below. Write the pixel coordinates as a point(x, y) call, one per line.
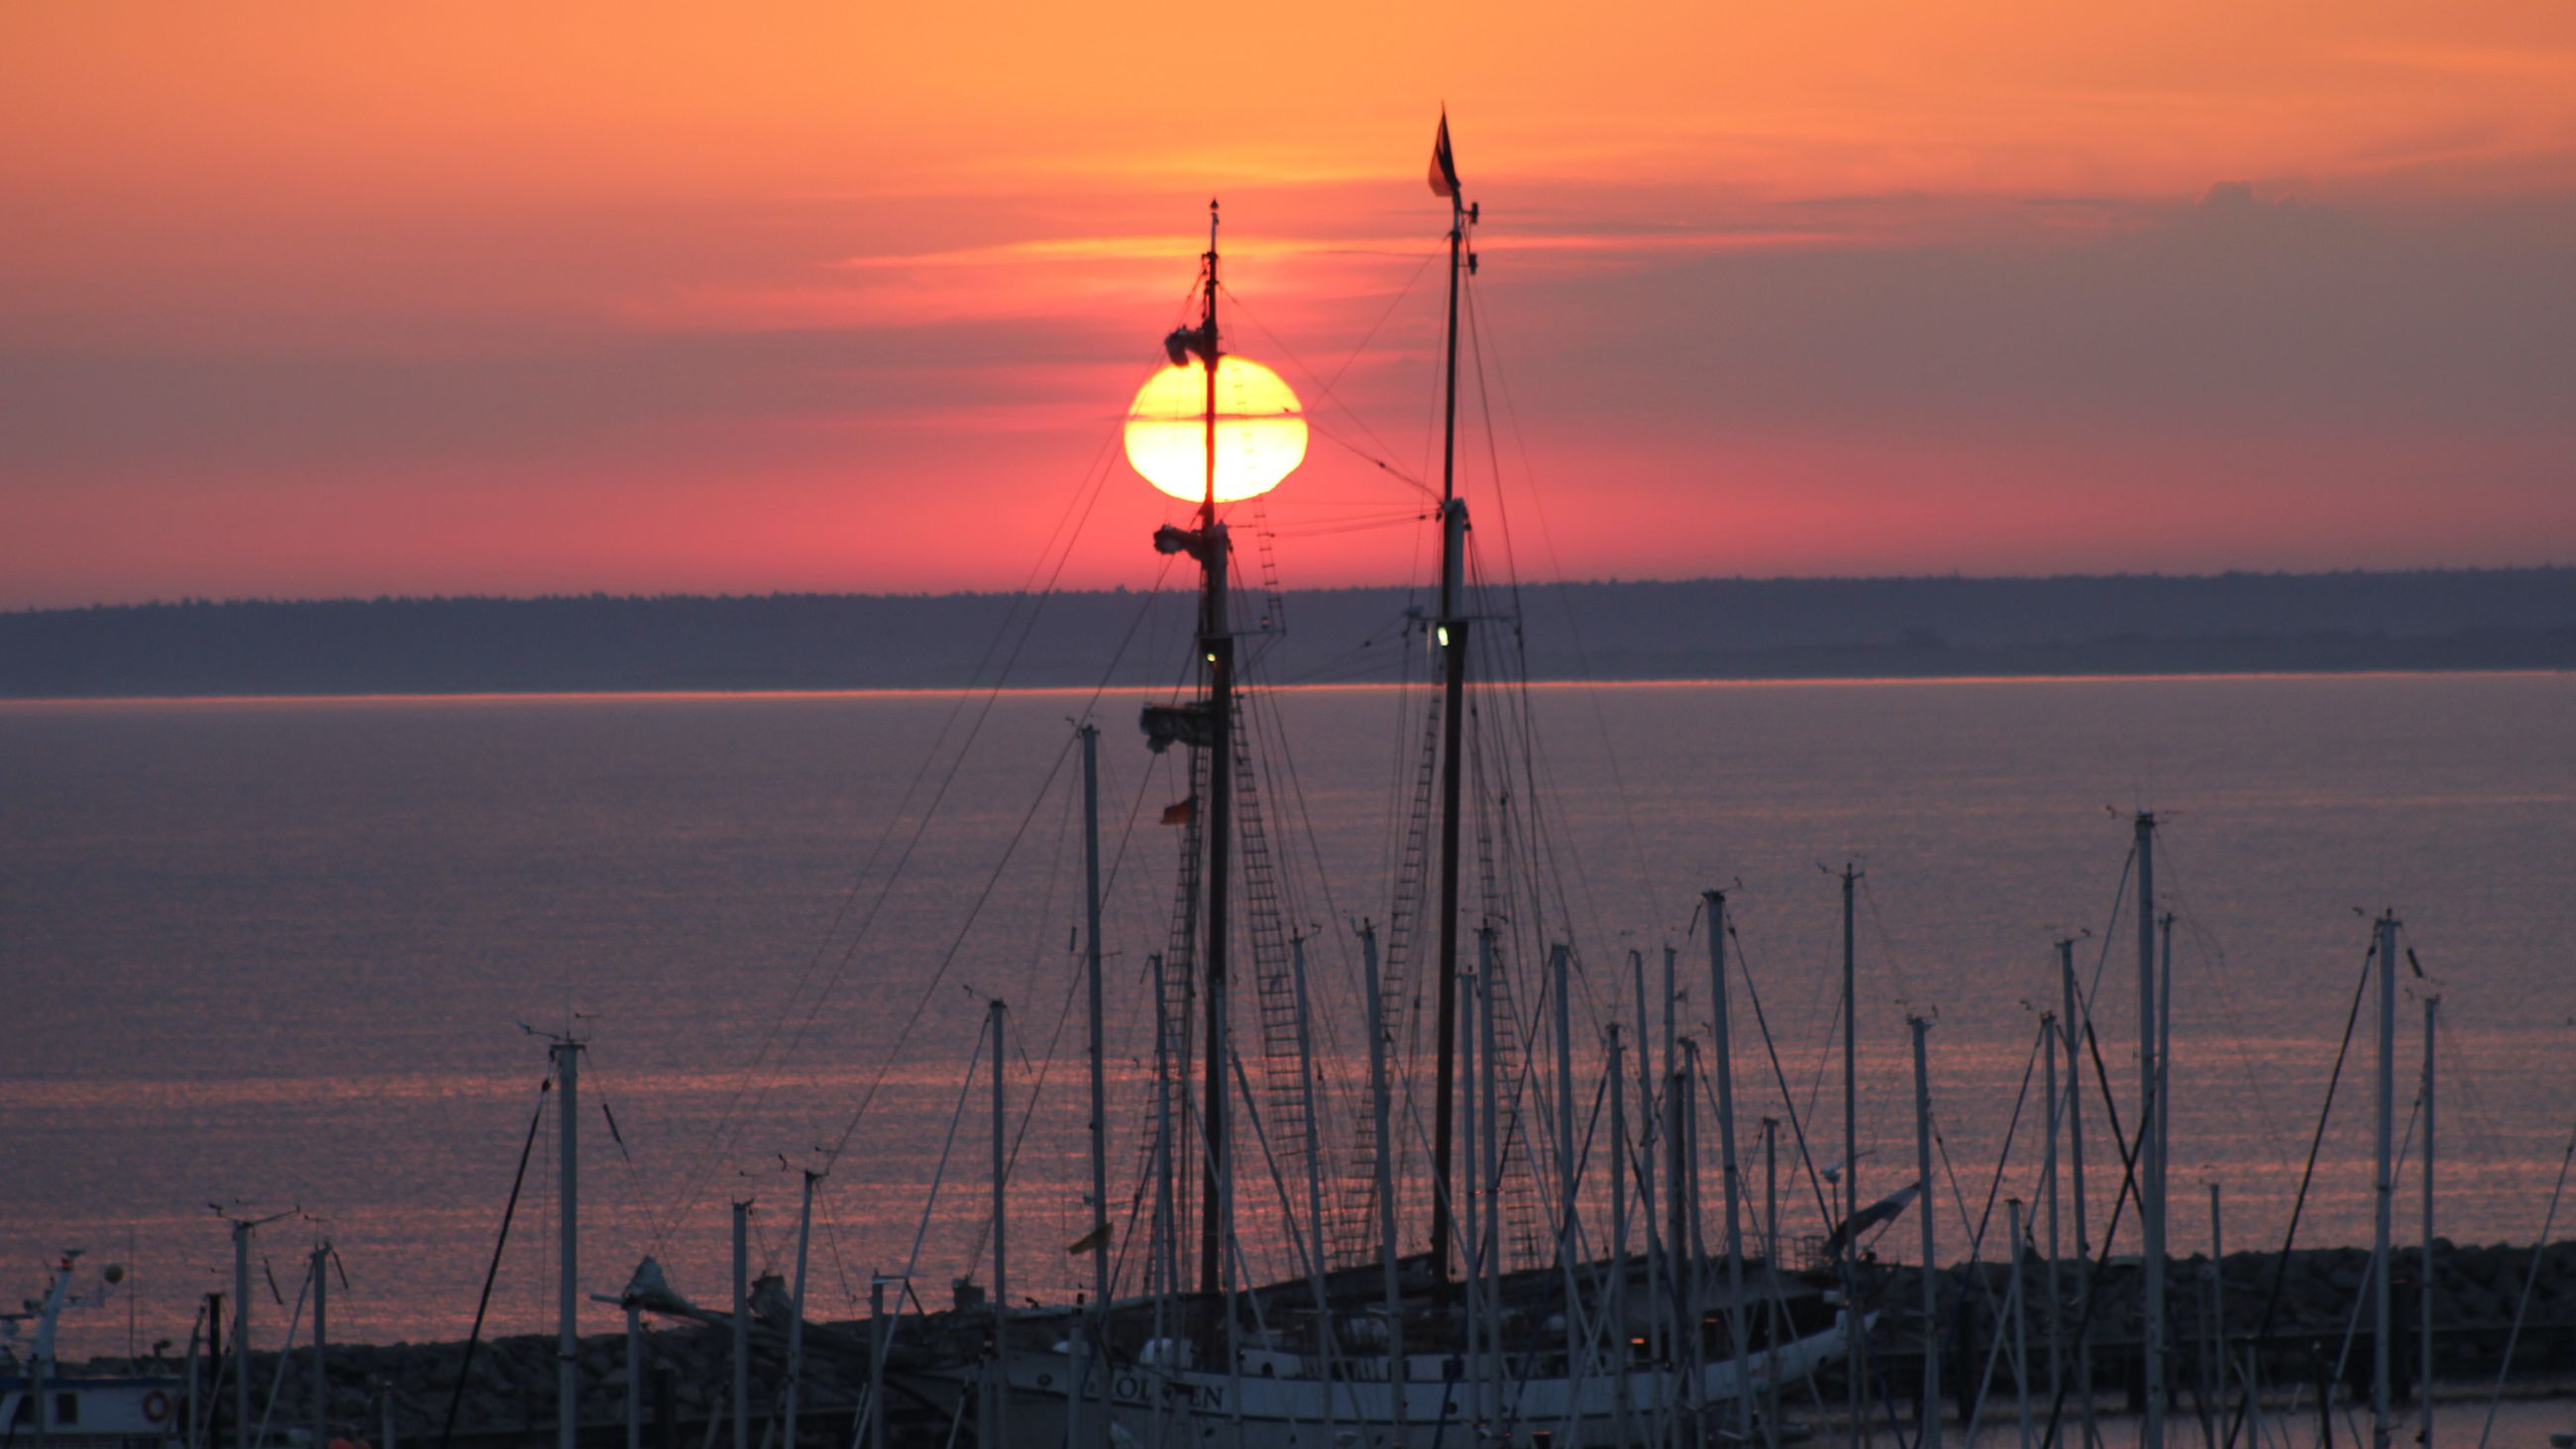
point(1450, 632)
point(1216, 647)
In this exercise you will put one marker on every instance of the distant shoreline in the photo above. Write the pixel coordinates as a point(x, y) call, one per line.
point(1704, 631)
point(605, 696)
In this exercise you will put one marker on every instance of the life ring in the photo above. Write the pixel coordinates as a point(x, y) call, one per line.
point(156, 1406)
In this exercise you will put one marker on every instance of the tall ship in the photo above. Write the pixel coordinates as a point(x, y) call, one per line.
point(1513, 1244)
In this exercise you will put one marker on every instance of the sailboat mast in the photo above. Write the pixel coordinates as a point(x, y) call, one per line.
point(242, 1426)
point(2383, 1259)
point(741, 1405)
point(2424, 1312)
point(2151, 1187)
point(1216, 650)
point(567, 1246)
point(2077, 1024)
point(796, 1317)
point(1097, 1229)
point(1928, 1433)
point(1451, 635)
point(995, 1428)
point(1722, 1048)
point(1855, 1328)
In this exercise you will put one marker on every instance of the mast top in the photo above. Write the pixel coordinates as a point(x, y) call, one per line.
point(1212, 428)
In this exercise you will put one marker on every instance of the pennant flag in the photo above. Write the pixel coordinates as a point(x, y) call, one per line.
point(1089, 1240)
point(1180, 812)
point(1444, 168)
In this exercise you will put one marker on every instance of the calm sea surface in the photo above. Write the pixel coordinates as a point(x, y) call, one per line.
point(280, 954)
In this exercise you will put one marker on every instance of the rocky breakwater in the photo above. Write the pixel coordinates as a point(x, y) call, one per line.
point(2300, 1321)
point(404, 1395)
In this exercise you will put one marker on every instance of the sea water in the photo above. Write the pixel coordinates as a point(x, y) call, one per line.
point(305, 957)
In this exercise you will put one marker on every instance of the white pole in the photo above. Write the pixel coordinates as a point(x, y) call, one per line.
point(1647, 1126)
point(1678, 1349)
point(1490, 1171)
point(1681, 1350)
point(568, 1246)
point(2164, 1109)
point(1565, 1174)
point(997, 1432)
point(1382, 1167)
point(1317, 1247)
point(1679, 1279)
point(2151, 1187)
point(2214, 1380)
point(321, 1270)
point(2383, 1294)
point(1381, 1114)
point(1618, 1294)
point(1085, 1344)
point(2075, 1025)
point(1854, 1339)
point(1721, 1046)
point(2424, 1312)
point(796, 1317)
point(2048, 1179)
point(1930, 1434)
point(634, 1376)
point(1577, 1331)
point(742, 1324)
point(196, 1376)
point(1472, 1199)
point(876, 1361)
point(241, 1336)
point(2020, 1318)
point(1773, 1306)
point(1166, 1205)
point(1694, 1243)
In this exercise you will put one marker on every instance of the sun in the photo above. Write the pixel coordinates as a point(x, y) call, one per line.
point(1260, 433)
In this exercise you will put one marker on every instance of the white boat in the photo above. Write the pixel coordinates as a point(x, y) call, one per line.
point(41, 1405)
point(1283, 1400)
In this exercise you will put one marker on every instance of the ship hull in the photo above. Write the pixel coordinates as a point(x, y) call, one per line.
point(1273, 1404)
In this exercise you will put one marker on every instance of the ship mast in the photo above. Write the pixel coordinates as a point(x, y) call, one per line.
point(1216, 654)
point(1451, 635)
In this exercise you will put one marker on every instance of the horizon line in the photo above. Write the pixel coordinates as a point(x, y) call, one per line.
point(193, 601)
point(1784, 681)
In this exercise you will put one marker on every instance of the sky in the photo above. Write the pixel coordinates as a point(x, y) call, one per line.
point(320, 299)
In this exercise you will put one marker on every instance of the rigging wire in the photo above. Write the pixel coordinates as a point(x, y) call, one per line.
point(483, 1304)
point(731, 1120)
point(2530, 1281)
point(1068, 526)
point(1325, 391)
point(1788, 1100)
point(2307, 1176)
point(1589, 677)
point(948, 958)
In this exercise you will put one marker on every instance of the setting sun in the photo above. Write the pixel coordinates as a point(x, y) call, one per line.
point(1260, 436)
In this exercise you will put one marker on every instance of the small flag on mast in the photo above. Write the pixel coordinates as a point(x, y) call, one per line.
point(1444, 168)
point(1181, 812)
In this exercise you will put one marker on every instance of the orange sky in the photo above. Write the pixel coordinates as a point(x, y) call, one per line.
point(323, 298)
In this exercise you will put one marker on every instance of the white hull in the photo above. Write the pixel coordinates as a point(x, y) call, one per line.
point(143, 1413)
point(1157, 1407)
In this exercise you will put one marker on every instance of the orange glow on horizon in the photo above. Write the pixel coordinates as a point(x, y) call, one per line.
point(530, 295)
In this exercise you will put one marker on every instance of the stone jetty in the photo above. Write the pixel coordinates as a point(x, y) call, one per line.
point(2303, 1320)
